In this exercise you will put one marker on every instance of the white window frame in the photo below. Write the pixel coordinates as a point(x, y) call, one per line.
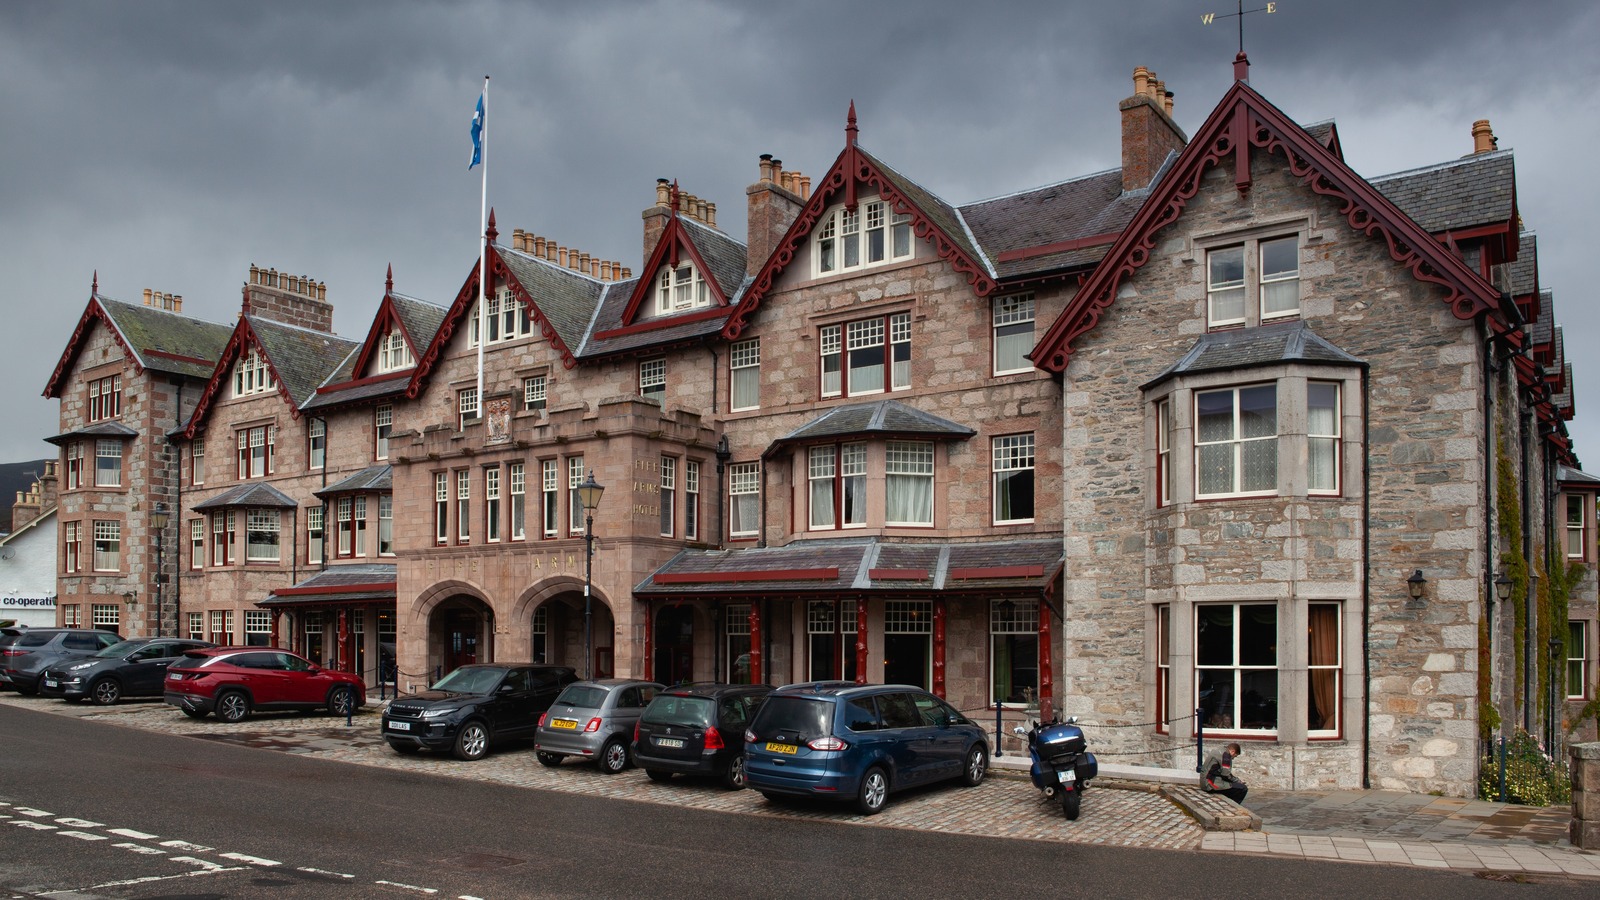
point(382, 427)
point(262, 522)
point(72, 547)
point(252, 375)
point(491, 504)
point(744, 375)
point(871, 235)
point(197, 543)
point(1336, 667)
point(1011, 455)
point(1238, 668)
point(691, 500)
point(1013, 323)
point(105, 616)
point(1250, 293)
point(653, 381)
point(680, 289)
point(1164, 477)
point(1277, 281)
point(107, 547)
point(550, 497)
point(575, 510)
point(107, 475)
point(197, 462)
point(385, 524)
point(1236, 443)
point(314, 534)
point(441, 507)
point(534, 391)
point(316, 444)
point(467, 407)
point(1577, 526)
point(1578, 662)
point(463, 506)
point(519, 501)
point(1330, 442)
point(258, 622)
point(668, 492)
point(905, 463)
point(1012, 620)
point(393, 352)
point(744, 500)
point(344, 546)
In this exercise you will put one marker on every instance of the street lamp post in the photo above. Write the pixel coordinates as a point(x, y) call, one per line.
point(589, 495)
point(158, 521)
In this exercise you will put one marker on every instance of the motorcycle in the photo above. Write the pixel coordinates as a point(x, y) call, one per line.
point(1062, 764)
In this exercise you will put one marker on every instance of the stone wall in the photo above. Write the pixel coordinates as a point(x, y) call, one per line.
point(1585, 795)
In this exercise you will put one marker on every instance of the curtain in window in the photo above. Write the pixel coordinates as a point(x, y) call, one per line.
point(911, 499)
point(1322, 427)
point(1258, 426)
point(1323, 656)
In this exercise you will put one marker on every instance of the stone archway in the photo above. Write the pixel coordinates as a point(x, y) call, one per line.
point(552, 611)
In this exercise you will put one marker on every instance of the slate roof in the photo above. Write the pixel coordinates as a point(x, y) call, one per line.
point(1475, 190)
point(420, 318)
point(335, 395)
point(1567, 473)
point(303, 358)
point(566, 297)
point(368, 480)
point(1247, 348)
point(1321, 132)
point(248, 495)
point(942, 214)
point(1542, 329)
point(860, 565)
point(146, 328)
point(1085, 207)
point(884, 417)
point(97, 430)
point(362, 581)
point(1524, 273)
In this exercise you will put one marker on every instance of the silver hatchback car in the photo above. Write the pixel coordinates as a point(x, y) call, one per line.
point(594, 720)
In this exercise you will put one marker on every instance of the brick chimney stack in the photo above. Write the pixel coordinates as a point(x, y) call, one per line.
point(36, 500)
point(655, 217)
point(775, 202)
point(1148, 131)
point(1483, 139)
point(290, 299)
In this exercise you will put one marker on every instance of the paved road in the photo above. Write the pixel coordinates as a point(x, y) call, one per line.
point(99, 811)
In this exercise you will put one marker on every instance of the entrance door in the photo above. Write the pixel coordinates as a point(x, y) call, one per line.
point(461, 630)
point(674, 662)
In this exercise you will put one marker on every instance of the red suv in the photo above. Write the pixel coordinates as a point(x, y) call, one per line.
point(233, 681)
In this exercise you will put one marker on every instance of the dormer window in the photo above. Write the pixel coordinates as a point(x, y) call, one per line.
point(251, 375)
point(502, 317)
point(393, 353)
point(680, 288)
point(869, 235)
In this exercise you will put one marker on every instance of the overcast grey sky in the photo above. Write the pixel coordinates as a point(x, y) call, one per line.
point(171, 145)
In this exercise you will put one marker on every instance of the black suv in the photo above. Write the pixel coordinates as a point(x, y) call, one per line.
point(23, 663)
point(133, 668)
point(697, 729)
point(475, 705)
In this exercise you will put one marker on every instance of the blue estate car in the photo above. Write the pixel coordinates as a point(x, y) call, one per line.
point(859, 742)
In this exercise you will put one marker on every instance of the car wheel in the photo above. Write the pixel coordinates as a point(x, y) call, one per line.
point(733, 776)
point(403, 749)
point(613, 757)
point(193, 713)
point(874, 792)
point(550, 760)
point(342, 702)
point(233, 706)
point(977, 766)
point(106, 691)
point(657, 775)
point(473, 741)
point(1071, 805)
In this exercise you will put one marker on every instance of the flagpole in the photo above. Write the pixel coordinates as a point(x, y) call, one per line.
point(483, 246)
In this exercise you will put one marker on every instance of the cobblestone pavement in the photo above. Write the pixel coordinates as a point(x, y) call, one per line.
point(1000, 807)
point(1353, 826)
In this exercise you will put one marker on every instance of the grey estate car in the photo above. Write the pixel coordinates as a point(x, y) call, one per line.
point(594, 720)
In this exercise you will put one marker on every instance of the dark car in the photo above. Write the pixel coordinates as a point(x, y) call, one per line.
point(233, 681)
point(859, 742)
point(23, 663)
point(133, 668)
point(594, 720)
point(474, 706)
point(697, 729)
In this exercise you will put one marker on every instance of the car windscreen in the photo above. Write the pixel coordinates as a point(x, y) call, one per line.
point(672, 709)
point(803, 718)
point(470, 680)
point(586, 696)
point(119, 649)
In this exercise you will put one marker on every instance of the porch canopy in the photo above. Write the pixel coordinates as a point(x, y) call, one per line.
point(358, 584)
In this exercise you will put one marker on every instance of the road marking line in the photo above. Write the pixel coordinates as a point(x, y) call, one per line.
point(409, 887)
point(203, 863)
point(78, 823)
point(252, 860)
point(468, 897)
point(185, 845)
point(315, 871)
point(36, 826)
point(145, 880)
point(35, 813)
point(83, 835)
point(140, 848)
point(130, 833)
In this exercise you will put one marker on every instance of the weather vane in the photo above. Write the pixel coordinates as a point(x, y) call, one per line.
point(1208, 18)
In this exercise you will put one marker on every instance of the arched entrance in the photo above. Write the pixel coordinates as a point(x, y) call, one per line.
point(556, 635)
point(674, 644)
point(460, 633)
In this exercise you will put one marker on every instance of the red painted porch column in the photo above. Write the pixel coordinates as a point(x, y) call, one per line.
point(1047, 679)
point(275, 614)
point(344, 638)
point(861, 640)
point(938, 648)
point(755, 643)
point(649, 667)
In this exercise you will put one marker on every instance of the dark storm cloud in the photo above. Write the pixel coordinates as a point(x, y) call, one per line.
point(171, 145)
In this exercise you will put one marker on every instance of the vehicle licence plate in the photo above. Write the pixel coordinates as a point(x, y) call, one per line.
point(674, 743)
point(1069, 775)
point(49, 684)
point(568, 724)
point(399, 726)
point(790, 749)
point(174, 676)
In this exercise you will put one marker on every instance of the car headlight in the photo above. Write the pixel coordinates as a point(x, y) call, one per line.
point(80, 667)
point(438, 713)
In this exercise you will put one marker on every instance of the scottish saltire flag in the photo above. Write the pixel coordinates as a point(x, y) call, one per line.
point(477, 135)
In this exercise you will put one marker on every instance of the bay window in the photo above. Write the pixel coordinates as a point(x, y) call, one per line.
point(261, 535)
point(359, 520)
point(72, 549)
point(838, 480)
point(908, 468)
point(75, 453)
point(1324, 670)
point(1164, 453)
point(108, 463)
point(1236, 441)
point(385, 525)
point(345, 528)
point(1322, 437)
point(1236, 666)
point(107, 546)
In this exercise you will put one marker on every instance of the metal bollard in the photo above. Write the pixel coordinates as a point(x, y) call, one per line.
point(1199, 743)
point(1502, 769)
point(999, 730)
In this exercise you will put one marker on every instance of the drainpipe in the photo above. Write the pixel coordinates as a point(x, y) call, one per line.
point(1366, 582)
point(715, 369)
point(1530, 628)
point(177, 516)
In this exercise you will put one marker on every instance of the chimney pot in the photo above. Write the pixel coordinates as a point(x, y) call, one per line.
point(663, 192)
point(1141, 81)
point(1166, 103)
point(711, 214)
point(805, 187)
point(177, 303)
point(594, 268)
point(538, 246)
point(1483, 139)
point(626, 273)
point(147, 293)
point(766, 167)
point(561, 254)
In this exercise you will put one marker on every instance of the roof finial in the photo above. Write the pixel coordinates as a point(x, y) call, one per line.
point(1241, 68)
point(850, 129)
point(94, 285)
point(388, 280)
point(492, 232)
